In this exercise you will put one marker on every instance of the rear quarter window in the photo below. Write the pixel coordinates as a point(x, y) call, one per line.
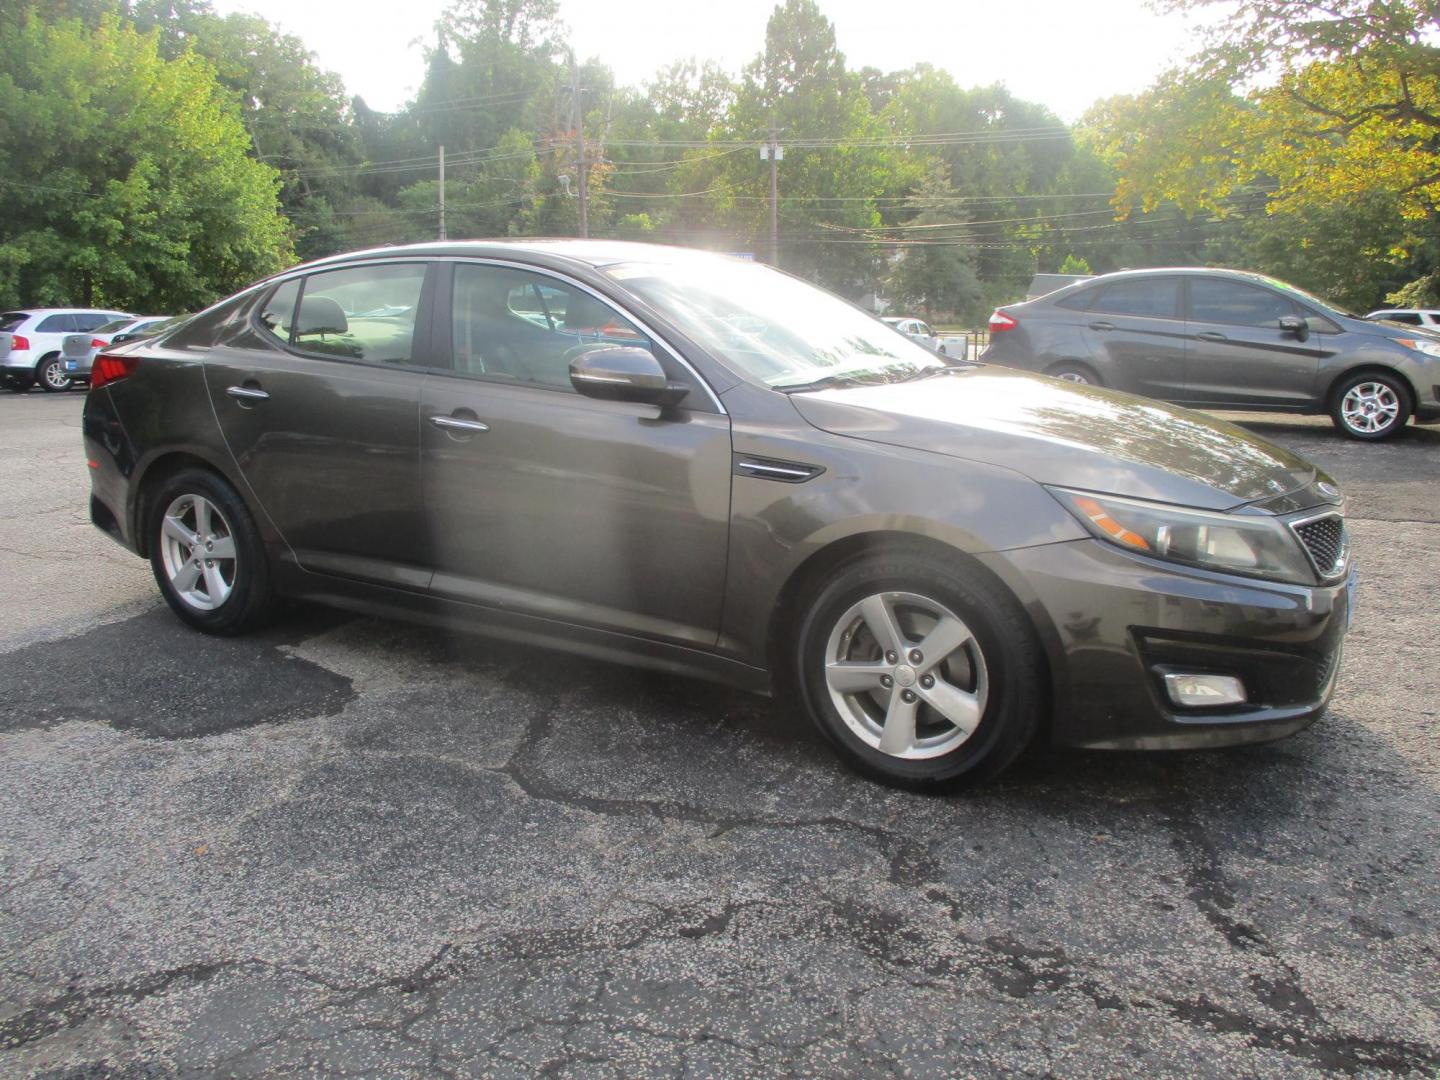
point(12, 320)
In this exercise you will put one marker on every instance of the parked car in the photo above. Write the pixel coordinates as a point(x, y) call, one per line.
point(78, 351)
point(31, 343)
point(1426, 317)
point(1225, 339)
point(918, 331)
point(746, 479)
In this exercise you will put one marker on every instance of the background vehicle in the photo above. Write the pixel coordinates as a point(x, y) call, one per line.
point(688, 462)
point(1426, 317)
point(916, 330)
point(31, 343)
point(1225, 339)
point(78, 351)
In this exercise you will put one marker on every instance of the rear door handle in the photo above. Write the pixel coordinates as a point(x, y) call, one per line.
point(456, 423)
point(247, 393)
point(1211, 335)
point(1102, 325)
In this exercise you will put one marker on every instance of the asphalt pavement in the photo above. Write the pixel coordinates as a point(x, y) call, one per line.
point(353, 846)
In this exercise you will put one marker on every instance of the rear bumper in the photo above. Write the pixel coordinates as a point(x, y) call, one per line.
point(20, 360)
point(1115, 624)
point(111, 458)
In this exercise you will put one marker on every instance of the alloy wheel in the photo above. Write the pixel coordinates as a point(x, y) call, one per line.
point(54, 377)
point(906, 675)
point(198, 552)
point(1370, 407)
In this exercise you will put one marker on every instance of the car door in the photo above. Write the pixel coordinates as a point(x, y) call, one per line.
point(1136, 335)
point(318, 401)
point(1236, 352)
point(544, 501)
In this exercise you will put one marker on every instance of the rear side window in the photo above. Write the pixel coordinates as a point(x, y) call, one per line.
point(366, 313)
point(1410, 317)
point(278, 314)
point(56, 324)
point(1157, 298)
point(1236, 304)
point(12, 320)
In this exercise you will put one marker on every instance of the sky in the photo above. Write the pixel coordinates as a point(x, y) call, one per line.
point(1062, 53)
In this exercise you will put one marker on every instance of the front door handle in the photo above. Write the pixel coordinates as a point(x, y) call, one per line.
point(1102, 325)
point(457, 423)
point(1211, 335)
point(247, 393)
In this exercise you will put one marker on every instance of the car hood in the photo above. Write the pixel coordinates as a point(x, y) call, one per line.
point(1065, 434)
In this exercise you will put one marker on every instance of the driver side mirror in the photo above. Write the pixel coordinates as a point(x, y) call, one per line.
point(1294, 324)
point(624, 373)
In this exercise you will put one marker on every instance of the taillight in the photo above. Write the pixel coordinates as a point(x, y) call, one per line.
point(98, 343)
point(17, 342)
point(107, 369)
point(1000, 321)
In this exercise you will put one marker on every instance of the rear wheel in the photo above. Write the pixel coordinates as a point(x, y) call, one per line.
point(1370, 406)
point(920, 676)
point(1075, 373)
point(50, 374)
point(207, 555)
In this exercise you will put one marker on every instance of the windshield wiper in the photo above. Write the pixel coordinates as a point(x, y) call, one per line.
point(827, 382)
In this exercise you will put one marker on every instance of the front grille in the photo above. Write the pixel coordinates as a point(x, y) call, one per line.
point(1325, 543)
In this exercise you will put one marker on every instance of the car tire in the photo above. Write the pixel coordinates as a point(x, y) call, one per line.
point(1370, 405)
point(1076, 373)
point(207, 555)
point(939, 722)
point(51, 376)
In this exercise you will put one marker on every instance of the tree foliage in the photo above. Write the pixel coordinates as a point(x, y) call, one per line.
point(127, 179)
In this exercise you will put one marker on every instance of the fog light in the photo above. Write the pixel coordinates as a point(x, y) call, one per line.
point(1202, 690)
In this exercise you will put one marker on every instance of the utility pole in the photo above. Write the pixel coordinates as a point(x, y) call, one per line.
point(577, 120)
point(773, 153)
point(442, 191)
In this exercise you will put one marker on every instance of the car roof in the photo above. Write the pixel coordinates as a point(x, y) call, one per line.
point(596, 253)
point(64, 311)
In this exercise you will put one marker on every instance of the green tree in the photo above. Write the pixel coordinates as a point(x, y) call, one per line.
point(126, 178)
point(930, 273)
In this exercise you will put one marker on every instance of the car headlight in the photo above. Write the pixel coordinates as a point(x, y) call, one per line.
point(1421, 345)
point(1257, 546)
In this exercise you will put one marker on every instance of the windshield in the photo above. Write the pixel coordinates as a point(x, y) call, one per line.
point(773, 327)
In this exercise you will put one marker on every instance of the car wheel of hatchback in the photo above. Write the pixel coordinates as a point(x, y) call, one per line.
point(921, 677)
point(1074, 373)
point(1370, 406)
point(51, 376)
point(207, 555)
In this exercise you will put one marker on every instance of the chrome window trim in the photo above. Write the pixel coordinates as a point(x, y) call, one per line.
point(638, 323)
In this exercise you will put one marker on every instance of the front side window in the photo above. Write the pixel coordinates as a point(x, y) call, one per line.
point(363, 313)
point(516, 326)
point(1236, 304)
point(1156, 298)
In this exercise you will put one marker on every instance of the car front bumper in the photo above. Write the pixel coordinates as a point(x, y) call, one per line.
point(1115, 624)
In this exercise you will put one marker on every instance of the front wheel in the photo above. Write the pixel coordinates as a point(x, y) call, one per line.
point(50, 374)
point(1370, 406)
point(207, 555)
point(920, 675)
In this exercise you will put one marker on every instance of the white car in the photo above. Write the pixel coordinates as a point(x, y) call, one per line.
point(1429, 318)
point(31, 343)
point(956, 346)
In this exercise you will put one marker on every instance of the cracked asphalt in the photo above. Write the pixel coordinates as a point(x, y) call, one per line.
point(352, 846)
